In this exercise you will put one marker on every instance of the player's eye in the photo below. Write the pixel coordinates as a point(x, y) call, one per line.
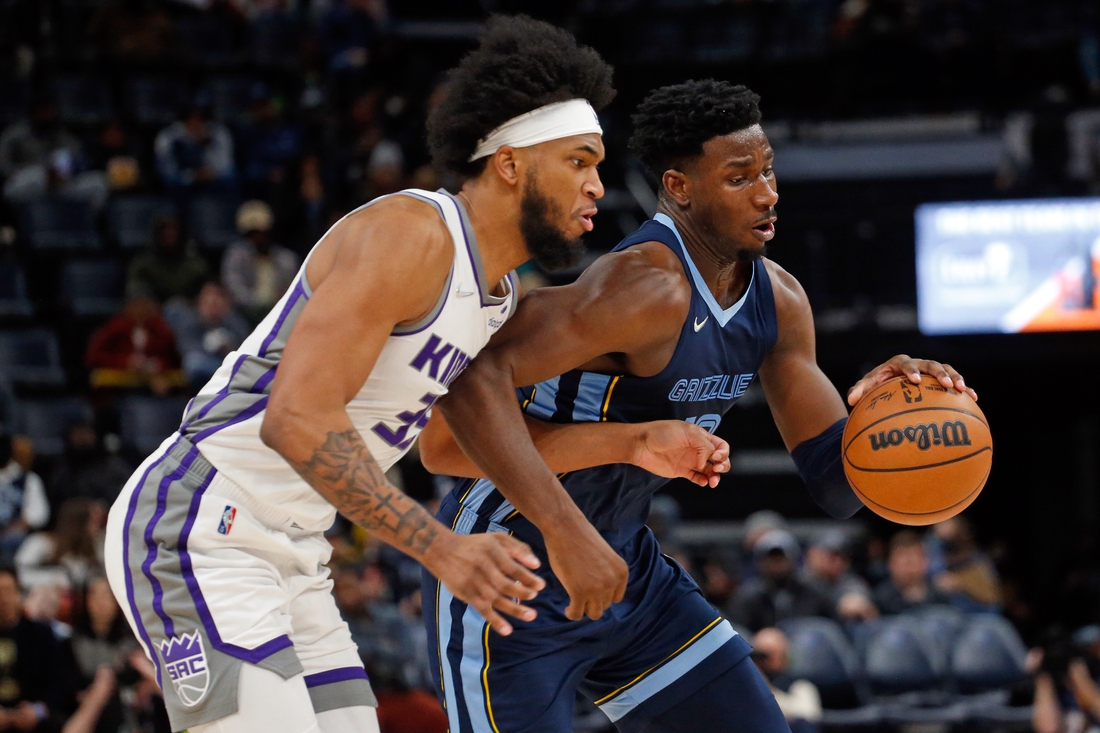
point(578, 162)
point(769, 172)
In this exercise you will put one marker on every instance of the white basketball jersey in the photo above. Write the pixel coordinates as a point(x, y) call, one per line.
point(414, 369)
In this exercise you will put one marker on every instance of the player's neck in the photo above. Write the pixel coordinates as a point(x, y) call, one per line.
point(495, 219)
point(726, 277)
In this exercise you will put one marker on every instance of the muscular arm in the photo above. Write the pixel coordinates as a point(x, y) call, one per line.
point(383, 266)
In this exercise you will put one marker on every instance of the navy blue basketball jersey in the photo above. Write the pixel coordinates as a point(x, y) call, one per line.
point(718, 355)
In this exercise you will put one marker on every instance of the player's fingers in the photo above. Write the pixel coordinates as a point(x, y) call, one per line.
point(721, 450)
point(855, 394)
point(574, 612)
point(937, 370)
point(496, 621)
point(595, 610)
point(905, 366)
point(510, 607)
point(521, 551)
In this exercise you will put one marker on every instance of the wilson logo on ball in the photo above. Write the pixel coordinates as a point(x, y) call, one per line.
point(948, 434)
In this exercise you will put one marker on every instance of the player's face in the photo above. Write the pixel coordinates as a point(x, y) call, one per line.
point(559, 198)
point(735, 192)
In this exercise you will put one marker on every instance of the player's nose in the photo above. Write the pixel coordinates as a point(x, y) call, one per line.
point(593, 187)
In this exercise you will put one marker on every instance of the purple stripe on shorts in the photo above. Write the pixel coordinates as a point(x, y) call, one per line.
point(254, 409)
point(261, 384)
point(221, 395)
point(151, 544)
point(297, 292)
point(254, 656)
point(130, 510)
point(328, 677)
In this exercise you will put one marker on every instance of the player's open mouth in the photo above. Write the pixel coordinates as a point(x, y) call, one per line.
point(586, 220)
point(765, 231)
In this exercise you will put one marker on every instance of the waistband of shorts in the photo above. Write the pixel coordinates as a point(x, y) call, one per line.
point(223, 486)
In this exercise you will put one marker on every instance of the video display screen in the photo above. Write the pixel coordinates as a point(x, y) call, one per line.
point(1008, 266)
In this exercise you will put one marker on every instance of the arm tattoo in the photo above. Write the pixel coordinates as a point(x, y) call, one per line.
point(343, 471)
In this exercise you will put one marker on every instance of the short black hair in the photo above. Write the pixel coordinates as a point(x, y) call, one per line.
point(673, 122)
point(521, 64)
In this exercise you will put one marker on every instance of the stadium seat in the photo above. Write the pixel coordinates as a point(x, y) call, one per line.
point(229, 97)
point(14, 302)
point(212, 221)
point(83, 100)
point(147, 421)
point(937, 627)
point(987, 655)
point(155, 100)
point(821, 653)
point(58, 222)
point(896, 660)
point(31, 357)
point(46, 421)
point(92, 287)
point(130, 219)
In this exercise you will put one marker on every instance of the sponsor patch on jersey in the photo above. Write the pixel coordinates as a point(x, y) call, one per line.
point(185, 662)
point(228, 516)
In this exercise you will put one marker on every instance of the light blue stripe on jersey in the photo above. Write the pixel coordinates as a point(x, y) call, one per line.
point(669, 672)
point(443, 614)
point(502, 512)
point(477, 494)
point(590, 392)
point(469, 669)
point(544, 405)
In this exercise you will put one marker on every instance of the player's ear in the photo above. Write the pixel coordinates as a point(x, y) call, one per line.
point(505, 162)
point(677, 186)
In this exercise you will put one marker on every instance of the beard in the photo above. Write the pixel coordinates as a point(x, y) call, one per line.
point(752, 255)
point(550, 248)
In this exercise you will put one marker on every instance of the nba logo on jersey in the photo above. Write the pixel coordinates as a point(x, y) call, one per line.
point(185, 662)
point(227, 520)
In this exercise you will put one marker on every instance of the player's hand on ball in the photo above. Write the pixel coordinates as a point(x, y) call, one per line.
point(491, 572)
point(678, 449)
point(906, 366)
point(592, 573)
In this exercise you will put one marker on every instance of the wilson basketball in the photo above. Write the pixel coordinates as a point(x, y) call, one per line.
point(917, 454)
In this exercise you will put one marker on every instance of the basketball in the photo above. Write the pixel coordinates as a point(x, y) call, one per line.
point(917, 454)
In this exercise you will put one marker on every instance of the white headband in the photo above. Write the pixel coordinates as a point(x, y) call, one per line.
point(552, 122)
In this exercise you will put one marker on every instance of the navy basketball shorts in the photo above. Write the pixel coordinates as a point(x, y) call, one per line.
point(661, 654)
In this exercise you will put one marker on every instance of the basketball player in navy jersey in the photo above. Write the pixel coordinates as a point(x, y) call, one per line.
point(676, 322)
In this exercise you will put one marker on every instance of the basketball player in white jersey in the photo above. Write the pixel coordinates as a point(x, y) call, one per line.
point(215, 546)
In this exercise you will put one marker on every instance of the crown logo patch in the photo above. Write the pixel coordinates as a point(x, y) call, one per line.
point(185, 662)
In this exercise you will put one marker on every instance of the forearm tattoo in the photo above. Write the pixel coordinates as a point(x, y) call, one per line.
point(344, 472)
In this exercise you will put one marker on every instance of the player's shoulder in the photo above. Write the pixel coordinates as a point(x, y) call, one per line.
point(790, 297)
point(648, 273)
point(401, 220)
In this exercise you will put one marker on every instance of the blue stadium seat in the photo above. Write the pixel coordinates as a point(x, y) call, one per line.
point(92, 287)
point(895, 659)
point(46, 421)
point(130, 219)
point(147, 421)
point(230, 97)
point(58, 222)
point(14, 302)
point(212, 220)
point(937, 627)
point(822, 654)
point(83, 100)
point(155, 100)
point(988, 655)
point(31, 357)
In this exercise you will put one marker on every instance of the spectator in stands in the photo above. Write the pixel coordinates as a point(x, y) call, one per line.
point(756, 525)
point(778, 593)
point(135, 349)
point(32, 685)
point(206, 331)
point(117, 154)
point(1067, 691)
point(171, 268)
point(195, 154)
point(23, 503)
point(255, 270)
point(798, 699)
point(908, 585)
point(347, 32)
point(828, 567)
point(132, 31)
point(40, 156)
point(967, 575)
point(102, 644)
point(74, 546)
point(270, 146)
point(86, 469)
point(385, 170)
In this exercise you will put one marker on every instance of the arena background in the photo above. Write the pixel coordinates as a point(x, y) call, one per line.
point(874, 107)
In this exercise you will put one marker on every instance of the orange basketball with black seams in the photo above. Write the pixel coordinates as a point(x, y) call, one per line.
point(917, 454)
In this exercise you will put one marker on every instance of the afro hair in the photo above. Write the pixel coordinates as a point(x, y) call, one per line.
point(521, 64)
point(673, 122)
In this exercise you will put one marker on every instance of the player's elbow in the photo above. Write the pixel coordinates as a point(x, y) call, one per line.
point(276, 427)
point(433, 454)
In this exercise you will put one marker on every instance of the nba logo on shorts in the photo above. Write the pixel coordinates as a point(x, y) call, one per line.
point(227, 520)
point(185, 662)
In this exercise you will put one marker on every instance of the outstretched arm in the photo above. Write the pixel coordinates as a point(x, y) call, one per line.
point(626, 303)
point(663, 447)
point(367, 280)
point(808, 409)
